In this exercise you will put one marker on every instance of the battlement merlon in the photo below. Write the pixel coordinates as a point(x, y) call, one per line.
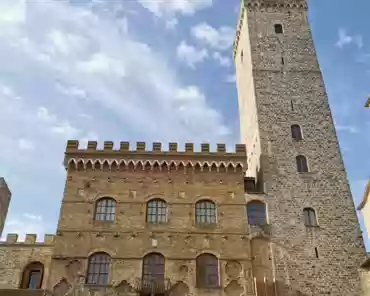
point(156, 154)
point(30, 239)
point(266, 4)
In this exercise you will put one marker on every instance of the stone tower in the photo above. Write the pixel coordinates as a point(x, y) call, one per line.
point(293, 152)
point(5, 196)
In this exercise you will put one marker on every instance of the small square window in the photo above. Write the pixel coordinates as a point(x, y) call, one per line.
point(278, 29)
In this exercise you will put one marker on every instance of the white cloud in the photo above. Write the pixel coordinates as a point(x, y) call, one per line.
point(63, 51)
point(222, 60)
point(12, 11)
point(72, 91)
point(347, 128)
point(171, 24)
point(220, 39)
point(190, 55)
point(161, 8)
point(345, 39)
point(25, 144)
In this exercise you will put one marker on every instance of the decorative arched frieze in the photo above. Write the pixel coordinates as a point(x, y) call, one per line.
point(113, 165)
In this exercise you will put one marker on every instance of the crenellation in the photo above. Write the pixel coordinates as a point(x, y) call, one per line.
point(140, 146)
point(30, 239)
point(157, 147)
point(172, 147)
point(125, 146)
point(205, 148)
point(108, 145)
point(189, 147)
point(91, 145)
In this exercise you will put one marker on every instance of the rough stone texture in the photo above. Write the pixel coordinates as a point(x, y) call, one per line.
point(286, 94)
point(15, 257)
point(279, 259)
point(5, 196)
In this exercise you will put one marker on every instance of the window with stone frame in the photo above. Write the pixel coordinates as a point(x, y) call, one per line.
point(156, 211)
point(296, 132)
point(207, 271)
point(32, 276)
point(153, 269)
point(309, 217)
point(205, 212)
point(256, 211)
point(98, 269)
point(105, 209)
point(302, 166)
point(279, 29)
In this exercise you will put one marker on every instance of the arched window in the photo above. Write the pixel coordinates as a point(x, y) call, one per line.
point(302, 166)
point(205, 212)
point(278, 29)
point(105, 209)
point(153, 269)
point(98, 269)
point(309, 217)
point(156, 211)
point(296, 132)
point(32, 276)
point(256, 211)
point(207, 271)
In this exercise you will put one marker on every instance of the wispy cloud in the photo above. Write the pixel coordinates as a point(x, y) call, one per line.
point(163, 8)
point(345, 39)
point(190, 55)
point(220, 39)
point(347, 128)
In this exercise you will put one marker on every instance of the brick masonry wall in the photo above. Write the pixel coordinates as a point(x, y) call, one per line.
point(129, 238)
point(325, 188)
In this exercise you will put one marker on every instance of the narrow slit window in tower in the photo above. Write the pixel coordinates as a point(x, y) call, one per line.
point(317, 252)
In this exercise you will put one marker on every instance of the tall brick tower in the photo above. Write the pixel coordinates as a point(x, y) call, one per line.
point(5, 196)
point(293, 152)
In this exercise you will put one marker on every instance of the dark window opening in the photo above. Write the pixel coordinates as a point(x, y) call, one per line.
point(278, 29)
point(156, 211)
point(205, 212)
point(309, 217)
point(105, 209)
point(296, 132)
point(153, 268)
point(256, 212)
point(250, 185)
point(98, 269)
point(282, 61)
point(291, 105)
point(32, 276)
point(302, 166)
point(207, 271)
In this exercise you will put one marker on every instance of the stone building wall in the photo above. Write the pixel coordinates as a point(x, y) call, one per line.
point(179, 178)
point(15, 256)
point(289, 89)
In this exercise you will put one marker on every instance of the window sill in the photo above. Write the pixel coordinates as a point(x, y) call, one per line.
point(206, 225)
point(104, 222)
point(209, 289)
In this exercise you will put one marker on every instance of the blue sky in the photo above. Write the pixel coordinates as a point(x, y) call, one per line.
point(141, 70)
